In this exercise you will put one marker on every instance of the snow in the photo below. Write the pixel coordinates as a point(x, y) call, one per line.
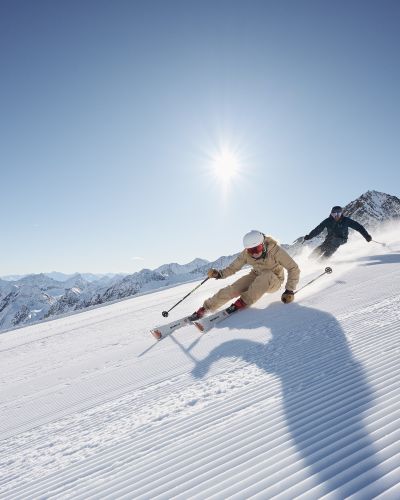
point(286, 401)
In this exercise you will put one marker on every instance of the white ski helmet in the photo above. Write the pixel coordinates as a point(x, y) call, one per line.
point(252, 239)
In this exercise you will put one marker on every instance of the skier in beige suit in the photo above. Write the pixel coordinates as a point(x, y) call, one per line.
point(268, 260)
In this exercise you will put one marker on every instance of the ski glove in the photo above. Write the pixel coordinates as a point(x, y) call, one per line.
point(214, 273)
point(368, 238)
point(287, 296)
point(306, 237)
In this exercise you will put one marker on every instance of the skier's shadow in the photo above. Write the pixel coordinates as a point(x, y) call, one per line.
point(324, 389)
point(389, 258)
point(373, 260)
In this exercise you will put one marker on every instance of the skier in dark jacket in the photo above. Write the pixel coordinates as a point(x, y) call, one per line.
point(337, 226)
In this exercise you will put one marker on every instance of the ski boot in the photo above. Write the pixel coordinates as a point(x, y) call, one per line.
point(238, 304)
point(197, 314)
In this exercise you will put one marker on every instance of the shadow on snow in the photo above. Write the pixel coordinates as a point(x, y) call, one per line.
point(389, 258)
point(324, 389)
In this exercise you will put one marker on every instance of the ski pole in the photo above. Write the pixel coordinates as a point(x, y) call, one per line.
point(379, 243)
point(328, 270)
point(165, 313)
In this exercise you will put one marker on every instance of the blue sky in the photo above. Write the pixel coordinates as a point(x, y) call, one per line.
point(114, 115)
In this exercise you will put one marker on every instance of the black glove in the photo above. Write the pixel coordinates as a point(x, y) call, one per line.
point(287, 296)
point(368, 238)
point(306, 237)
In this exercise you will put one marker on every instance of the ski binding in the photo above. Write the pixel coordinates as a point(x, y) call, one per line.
point(205, 324)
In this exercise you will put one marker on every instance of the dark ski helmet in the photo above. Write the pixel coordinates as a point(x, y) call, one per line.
point(337, 212)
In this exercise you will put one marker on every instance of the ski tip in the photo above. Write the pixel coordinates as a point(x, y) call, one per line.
point(156, 334)
point(199, 326)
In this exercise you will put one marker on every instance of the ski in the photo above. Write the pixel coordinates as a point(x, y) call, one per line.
point(205, 324)
point(160, 332)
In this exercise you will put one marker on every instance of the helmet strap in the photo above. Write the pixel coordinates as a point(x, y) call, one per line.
point(265, 251)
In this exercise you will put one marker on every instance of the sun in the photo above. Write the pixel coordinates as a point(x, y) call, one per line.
point(226, 165)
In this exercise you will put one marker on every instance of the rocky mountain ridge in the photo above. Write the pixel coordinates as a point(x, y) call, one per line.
point(373, 207)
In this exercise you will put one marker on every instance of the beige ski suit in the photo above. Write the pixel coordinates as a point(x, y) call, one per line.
point(266, 276)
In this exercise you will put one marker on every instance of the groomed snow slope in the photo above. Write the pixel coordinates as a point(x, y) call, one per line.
point(286, 401)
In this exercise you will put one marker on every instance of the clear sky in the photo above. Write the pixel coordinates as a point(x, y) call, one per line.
point(122, 122)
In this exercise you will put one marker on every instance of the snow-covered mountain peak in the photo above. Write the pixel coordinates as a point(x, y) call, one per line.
point(176, 269)
point(38, 280)
point(373, 207)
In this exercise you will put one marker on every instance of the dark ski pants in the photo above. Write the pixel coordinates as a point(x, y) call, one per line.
point(250, 288)
point(327, 248)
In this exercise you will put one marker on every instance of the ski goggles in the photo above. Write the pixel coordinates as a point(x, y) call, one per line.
point(256, 250)
point(336, 214)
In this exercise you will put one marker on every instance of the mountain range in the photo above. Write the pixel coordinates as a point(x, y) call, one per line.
point(32, 298)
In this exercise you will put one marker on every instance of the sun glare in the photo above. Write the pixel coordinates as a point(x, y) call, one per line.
point(225, 165)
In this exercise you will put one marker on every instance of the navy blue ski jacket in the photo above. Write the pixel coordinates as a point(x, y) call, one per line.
point(339, 229)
